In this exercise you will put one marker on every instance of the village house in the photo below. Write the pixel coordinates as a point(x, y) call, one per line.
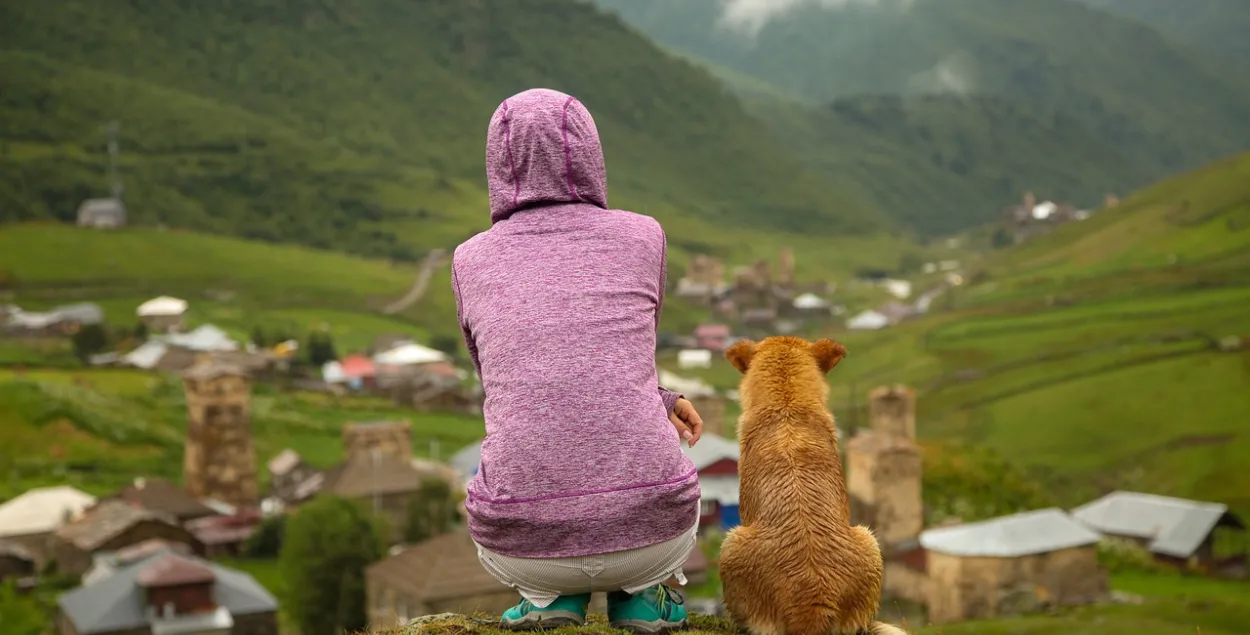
point(694, 358)
point(17, 564)
point(223, 535)
point(1013, 564)
point(289, 481)
point(356, 371)
point(163, 591)
point(706, 402)
point(716, 459)
point(868, 320)
point(444, 575)
point(102, 213)
point(810, 305)
point(32, 519)
point(712, 337)
point(704, 279)
point(1175, 531)
point(176, 352)
point(163, 497)
point(111, 525)
point(162, 314)
point(59, 321)
point(382, 481)
point(431, 387)
point(106, 563)
point(440, 575)
point(378, 469)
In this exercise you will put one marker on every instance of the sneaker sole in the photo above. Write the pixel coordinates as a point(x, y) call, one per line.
point(648, 628)
point(539, 621)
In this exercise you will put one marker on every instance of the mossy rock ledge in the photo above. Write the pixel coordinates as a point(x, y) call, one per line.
point(456, 624)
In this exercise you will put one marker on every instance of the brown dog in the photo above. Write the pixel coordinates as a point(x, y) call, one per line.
point(796, 566)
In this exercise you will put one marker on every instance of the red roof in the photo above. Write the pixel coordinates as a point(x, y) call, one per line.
point(173, 570)
point(358, 366)
point(711, 330)
point(218, 530)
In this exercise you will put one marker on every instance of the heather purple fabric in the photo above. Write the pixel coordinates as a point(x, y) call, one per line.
point(559, 302)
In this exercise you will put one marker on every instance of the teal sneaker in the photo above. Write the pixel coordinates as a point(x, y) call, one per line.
point(566, 610)
point(655, 610)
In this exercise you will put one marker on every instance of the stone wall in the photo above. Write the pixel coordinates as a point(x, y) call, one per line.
point(974, 588)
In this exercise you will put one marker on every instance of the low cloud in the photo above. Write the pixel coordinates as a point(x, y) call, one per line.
point(954, 75)
point(750, 16)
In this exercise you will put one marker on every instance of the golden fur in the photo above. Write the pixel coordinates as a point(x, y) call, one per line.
point(796, 566)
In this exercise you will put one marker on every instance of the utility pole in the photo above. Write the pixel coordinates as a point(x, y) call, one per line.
point(377, 503)
point(115, 184)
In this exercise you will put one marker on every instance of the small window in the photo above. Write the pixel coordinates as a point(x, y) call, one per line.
point(707, 507)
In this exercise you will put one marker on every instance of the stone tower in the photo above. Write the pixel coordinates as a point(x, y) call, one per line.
point(884, 469)
point(219, 462)
point(389, 437)
point(785, 268)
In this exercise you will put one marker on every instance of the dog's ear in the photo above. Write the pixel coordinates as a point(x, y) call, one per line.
point(827, 353)
point(740, 355)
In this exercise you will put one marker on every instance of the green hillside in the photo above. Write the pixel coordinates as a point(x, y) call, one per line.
point(1117, 104)
point(1217, 26)
point(359, 126)
point(937, 161)
point(1092, 357)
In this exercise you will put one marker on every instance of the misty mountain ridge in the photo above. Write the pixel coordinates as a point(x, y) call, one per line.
point(1147, 102)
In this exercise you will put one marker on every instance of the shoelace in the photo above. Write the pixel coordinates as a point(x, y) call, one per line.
point(663, 595)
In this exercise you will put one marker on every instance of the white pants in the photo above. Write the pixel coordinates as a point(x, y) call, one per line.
point(542, 580)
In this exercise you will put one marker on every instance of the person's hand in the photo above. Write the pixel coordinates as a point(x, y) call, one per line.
point(687, 421)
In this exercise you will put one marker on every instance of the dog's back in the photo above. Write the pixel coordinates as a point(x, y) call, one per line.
point(796, 566)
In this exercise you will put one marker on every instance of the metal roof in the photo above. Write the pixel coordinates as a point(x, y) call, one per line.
point(42, 510)
point(690, 387)
point(1175, 526)
point(466, 461)
point(710, 449)
point(722, 489)
point(147, 355)
point(1029, 533)
point(114, 603)
point(204, 338)
point(162, 306)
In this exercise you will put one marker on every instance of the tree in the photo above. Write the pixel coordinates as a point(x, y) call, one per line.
point(446, 343)
point(1001, 238)
point(267, 541)
point(89, 340)
point(321, 348)
point(432, 511)
point(140, 332)
point(258, 337)
point(326, 547)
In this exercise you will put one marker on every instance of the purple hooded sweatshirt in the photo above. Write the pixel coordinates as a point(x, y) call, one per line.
point(559, 302)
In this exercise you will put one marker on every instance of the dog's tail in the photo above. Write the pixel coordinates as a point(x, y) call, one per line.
point(881, 628)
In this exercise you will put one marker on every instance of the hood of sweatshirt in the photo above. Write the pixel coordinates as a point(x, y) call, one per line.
point(542, 148)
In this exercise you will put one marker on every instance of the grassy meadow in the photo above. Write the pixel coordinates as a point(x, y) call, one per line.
point(1089, 359)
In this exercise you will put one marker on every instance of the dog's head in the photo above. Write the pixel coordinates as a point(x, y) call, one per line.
point(786, 355)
